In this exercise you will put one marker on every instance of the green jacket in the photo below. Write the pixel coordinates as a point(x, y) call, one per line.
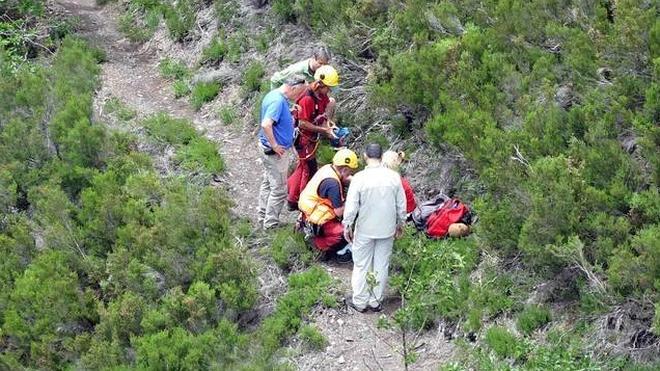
point(298, 68)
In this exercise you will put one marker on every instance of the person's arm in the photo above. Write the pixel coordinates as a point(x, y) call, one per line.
point(305, 112)
point(351, 207)
point(270, 118)
point(400, 197)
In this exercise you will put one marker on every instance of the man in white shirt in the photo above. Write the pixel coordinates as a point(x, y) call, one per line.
point(374, 214)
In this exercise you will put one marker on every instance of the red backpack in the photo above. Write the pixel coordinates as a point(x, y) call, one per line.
point(452, 211)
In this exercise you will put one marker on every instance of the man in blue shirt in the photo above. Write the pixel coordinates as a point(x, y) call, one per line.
point(275, 138)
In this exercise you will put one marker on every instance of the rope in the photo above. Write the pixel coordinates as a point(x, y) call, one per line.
point(316, 146)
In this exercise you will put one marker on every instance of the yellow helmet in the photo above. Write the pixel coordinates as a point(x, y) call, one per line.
point(345, 157)
point(327, 75)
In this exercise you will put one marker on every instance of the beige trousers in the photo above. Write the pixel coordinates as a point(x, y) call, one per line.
point(272, 193)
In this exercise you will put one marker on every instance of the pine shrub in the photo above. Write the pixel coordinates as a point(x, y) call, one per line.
point(201, 154)
point(170, 130)
point(203, 93)
point(532, 318)
point(312, 337)
point(252, 77)
point(290, 251)
point(502, 342)
point(173, 69)
point(227, 115)
point(215, 52)
point(180, 18)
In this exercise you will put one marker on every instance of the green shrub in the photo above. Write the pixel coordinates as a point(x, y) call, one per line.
point(284, 10)
point(500, 340)
point(180, 19)
point(121, 319)
point(215, 52)
point(237, 44)
point(181, 89)
point(377, 137)
point(204, 92)
point(532, 318)
point(252, 76)
point(231, 272)
point(225, 11)
point(329, 300)
point(200, 154)
point(645, 206)
point(37, 327)
point(495, 294)
point(263, 40)
point(120, 109)
point(473, 322)
point(219, 348)
point(136, 29)
point(312, 337)
point(554, 211)
point(500, 222)
point(227, 115)
point(173, 69)
point(562, 352)
point(103, 354)
point(290, 251)
point(305, 290)
point(636, 268)
point(170, 130)
point(441, 285)
point(324, 154)
point(18, 249)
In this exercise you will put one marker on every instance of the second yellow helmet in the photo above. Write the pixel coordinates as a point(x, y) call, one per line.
point(345, 157)
point(327, 75)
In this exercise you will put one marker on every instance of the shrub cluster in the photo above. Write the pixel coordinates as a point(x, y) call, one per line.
point(177, 72)
point(542, 104)
point(105, 263)
point(100, 253)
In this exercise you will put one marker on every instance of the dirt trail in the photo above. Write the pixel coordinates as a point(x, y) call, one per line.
point(131, 75)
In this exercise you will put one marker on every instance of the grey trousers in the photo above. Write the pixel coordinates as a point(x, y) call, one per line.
point(272, 194)
point(370, 255)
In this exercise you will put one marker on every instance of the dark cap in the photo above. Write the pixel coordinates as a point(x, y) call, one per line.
point(295, 80)
point(374, 151)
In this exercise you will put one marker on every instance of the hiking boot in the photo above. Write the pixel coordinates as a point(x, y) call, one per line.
point(292, 206)
point(347, 257)
point(376, 309)
point(349, 302)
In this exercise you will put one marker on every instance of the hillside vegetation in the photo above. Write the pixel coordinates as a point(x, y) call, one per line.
point(109, 263)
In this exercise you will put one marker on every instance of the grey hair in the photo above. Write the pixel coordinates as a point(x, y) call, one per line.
point(322, 52)
point(294, 80)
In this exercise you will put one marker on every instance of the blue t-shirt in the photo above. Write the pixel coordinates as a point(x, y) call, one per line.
point(330, 189)
point(276, 107)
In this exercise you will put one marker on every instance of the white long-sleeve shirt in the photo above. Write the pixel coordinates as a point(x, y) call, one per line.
point(375, 203)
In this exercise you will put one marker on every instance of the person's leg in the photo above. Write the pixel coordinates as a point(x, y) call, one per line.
point(277, 167)
point(264, 192)
point(332, 236)
point(382, 254)
point(294, 185)
point(312, 166)
point(363, 254)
